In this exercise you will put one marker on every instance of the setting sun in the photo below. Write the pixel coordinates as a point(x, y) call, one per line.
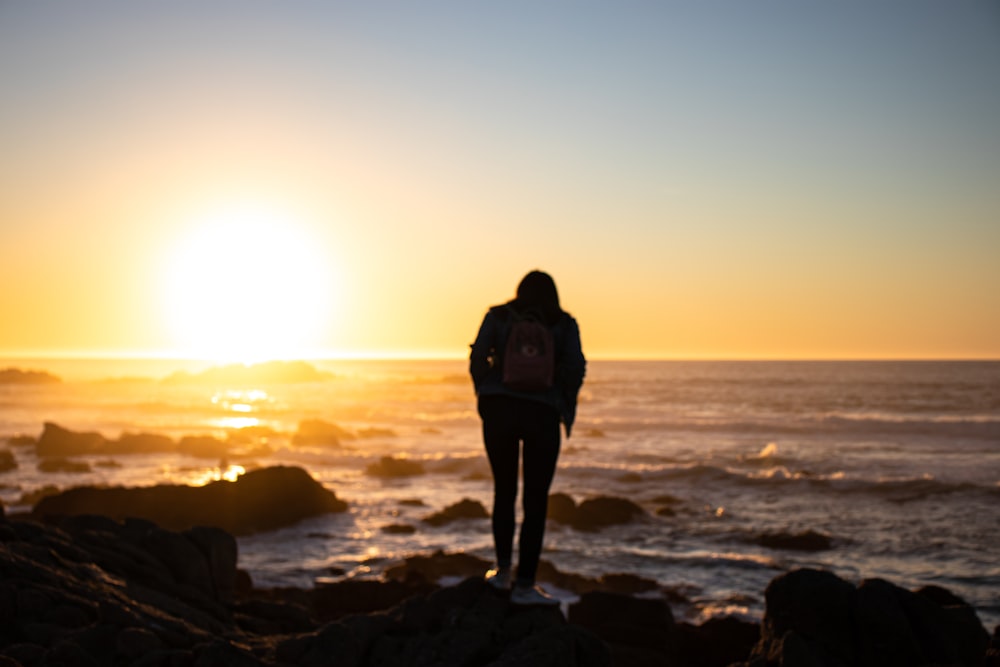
point(247, 283)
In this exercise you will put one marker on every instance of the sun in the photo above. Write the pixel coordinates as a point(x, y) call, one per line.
point(248, 283)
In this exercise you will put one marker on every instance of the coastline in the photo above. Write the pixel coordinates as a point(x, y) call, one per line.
point(88, 590)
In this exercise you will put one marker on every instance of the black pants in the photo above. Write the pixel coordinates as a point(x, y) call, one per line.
point(508, 422)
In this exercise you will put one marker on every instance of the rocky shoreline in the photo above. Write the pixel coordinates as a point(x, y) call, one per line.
point(97, 587)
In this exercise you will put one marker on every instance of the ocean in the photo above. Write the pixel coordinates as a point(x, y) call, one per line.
point(896, 462)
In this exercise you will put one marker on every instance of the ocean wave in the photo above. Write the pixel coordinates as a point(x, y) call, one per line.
point(975, 426)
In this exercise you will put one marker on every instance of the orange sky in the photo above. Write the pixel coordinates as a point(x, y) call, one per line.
point(785, 182)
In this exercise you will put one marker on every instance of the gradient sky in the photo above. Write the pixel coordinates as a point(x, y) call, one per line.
point(730, 179)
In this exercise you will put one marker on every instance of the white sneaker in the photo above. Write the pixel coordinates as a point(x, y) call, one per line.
point(532, 595)
point(498, 578)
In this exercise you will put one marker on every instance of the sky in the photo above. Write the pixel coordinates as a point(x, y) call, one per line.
point(774, 179)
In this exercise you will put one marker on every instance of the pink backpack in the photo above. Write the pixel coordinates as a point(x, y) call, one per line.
point(529, 360)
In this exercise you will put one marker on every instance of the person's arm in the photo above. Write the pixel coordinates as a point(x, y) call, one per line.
point(483, 350)
point(573, 365)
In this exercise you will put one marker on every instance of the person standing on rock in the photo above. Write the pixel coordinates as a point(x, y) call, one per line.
point(527, 366)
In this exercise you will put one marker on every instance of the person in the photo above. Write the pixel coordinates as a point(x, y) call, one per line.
point(512, 418)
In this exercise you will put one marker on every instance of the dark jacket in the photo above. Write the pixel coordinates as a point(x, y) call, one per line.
point(485, 363)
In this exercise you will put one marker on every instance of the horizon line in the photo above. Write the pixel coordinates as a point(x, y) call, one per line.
point(398, 355)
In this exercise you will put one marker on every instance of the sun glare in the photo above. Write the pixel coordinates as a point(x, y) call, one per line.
point(248, 283)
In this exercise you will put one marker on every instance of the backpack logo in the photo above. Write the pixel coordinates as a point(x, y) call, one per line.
point(529, 357)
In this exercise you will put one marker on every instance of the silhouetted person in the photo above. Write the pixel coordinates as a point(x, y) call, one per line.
point(527, 366)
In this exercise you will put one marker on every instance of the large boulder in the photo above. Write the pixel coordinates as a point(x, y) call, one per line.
point(596, 513)
point(260, 500)
point(815, 617)
point(7, 460)
point(639, 631)
point(57, 441)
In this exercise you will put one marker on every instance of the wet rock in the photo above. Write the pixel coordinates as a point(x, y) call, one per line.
point(808, 540)
point(388, 466)
point(639, 631)
point(22, 441)
point(141, 443)
point(814, 617)
point(260, 500)
point(594, 513)
point(603, 511)
point(57, 441)
point(28, 377)
point(7, 460)
point(463, 509)
point(316, 432)
point(53, 465)
point(562, 508)
point(203, 446)
point(718, 642)
point(398, 529)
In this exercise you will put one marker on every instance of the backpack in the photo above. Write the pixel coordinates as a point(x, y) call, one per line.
point(529, 359)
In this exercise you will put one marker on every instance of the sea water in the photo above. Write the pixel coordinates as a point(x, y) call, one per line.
point(898, 463)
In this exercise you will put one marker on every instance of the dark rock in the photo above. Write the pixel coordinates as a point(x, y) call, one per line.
point(376, 432)
point(639, 631)
point(627, 584)
point(432, 567)
point(133, 643)
point(32, 497)
point(718, 642)
point(562, 508)
point(463, 509)
point(353, 596)
point(22, 441)
point(262, 499)
point(203, 446)
point(63, 465)
point(19, 376)
point(603, 511)
point(220, 552)
point(7, 460)
point(808, 540)
point(316, 432)
point(388, 466)
point(141, 443)
point(398, 529)
point(817, 607)
point(57, 441)
point(814, 617)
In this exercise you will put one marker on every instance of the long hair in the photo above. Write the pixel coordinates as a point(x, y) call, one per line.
point(537, 292)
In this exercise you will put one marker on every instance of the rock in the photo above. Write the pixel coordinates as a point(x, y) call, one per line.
point(19, 376)
point(63, 465)
point(463, 509)
point(94, 591)
point(432, 567)
point(594, 513)
point(718, 642)
point(814, 617)
point(7, 460)
point(141, 443)
point(259, 500)
point(603, 511)
point(203, 446)
point(376, 432)
point(22, 441)
point(388, 466)
point(808, 540)
point(57, 441)
point(313, 432)
point(398, 529)
point(562, 508)
point(639, 631)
